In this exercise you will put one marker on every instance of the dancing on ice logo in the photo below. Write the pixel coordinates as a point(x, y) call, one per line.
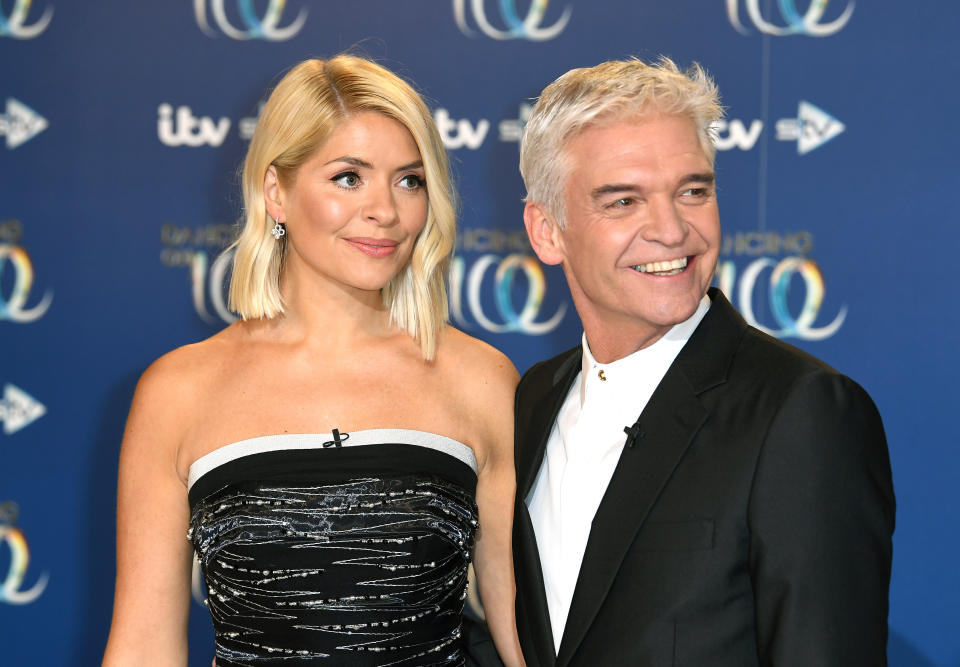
point(743, 286)
point(15, 24)
point(254, 27)
point(514, 27)
point(11, 537)
point(794, 23)
point(13, 305)
point(490, 282)
point(483, 288)
point(200, 251)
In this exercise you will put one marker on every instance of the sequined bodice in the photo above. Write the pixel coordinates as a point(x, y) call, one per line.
point(352, 555)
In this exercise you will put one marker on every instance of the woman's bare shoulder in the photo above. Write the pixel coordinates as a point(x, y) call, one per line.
point(190, 367)
point(174, 391)
point(482, 380)
point(471, 357)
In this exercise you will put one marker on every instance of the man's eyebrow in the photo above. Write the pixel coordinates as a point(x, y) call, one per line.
point(355, 161)
point(612, 188)
point(706, 177)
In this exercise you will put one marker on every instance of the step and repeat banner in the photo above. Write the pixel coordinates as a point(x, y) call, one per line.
point(123, 126)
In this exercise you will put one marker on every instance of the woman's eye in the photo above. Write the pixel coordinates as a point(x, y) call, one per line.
point(411, 182)
point(347, 179)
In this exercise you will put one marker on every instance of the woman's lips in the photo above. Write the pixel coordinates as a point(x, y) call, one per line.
point(373, 247)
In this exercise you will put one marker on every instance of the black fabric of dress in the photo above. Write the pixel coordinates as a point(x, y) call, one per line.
point(342, 556)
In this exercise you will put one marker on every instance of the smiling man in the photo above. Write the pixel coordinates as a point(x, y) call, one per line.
point(690, 490)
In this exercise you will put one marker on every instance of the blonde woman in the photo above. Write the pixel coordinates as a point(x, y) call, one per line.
point(337, 457)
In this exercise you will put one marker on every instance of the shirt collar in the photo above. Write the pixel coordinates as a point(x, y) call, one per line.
point(615, 378)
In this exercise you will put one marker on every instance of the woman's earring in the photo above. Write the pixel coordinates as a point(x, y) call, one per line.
point(278, 229)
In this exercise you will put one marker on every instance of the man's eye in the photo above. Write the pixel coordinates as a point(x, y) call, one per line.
point(411, 182)
point(623, 202)
point(347, 179)
point(695, 192)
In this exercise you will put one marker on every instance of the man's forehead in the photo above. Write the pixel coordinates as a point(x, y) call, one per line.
point(629, 140)
point(627, 116)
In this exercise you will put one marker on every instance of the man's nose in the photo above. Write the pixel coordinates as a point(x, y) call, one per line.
point(665, 224)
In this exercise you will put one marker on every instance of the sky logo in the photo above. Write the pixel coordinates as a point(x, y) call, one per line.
point(18, 409)
point(793, 22)
point(527, 27)
point(15, 26)
point(811, 129)
point(20, 123)
point(254, 27)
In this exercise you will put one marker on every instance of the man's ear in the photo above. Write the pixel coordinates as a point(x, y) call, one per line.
point(273, 195)
point(545, 236)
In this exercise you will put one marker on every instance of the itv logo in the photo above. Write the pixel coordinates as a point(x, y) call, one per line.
point(184, 129)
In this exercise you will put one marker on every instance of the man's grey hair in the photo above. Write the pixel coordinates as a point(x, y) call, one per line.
point(612, 91)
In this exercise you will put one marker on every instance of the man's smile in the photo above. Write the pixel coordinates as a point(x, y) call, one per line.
point(670, 267)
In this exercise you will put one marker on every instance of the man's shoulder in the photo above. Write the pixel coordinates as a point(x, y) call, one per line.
point(767, 355)
point(725, 337)
point(774, 373)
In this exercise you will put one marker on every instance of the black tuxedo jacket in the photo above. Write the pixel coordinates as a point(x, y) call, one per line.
point(750, 524)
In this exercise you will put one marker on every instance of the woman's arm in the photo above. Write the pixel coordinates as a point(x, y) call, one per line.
point(152, 595)
point(496, 485)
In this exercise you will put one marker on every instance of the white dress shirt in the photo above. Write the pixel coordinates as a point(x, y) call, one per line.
point(583, 449)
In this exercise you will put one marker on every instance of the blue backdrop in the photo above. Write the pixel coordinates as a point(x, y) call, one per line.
point(123, 124)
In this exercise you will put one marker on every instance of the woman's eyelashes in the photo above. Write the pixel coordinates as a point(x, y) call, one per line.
point(412, 182)
point(347, 179)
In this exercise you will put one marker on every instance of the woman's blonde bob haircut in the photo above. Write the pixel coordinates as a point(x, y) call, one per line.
point(303, 110)
point(609, 92)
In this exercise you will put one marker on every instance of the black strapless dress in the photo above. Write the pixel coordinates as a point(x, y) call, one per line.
point(317, 553)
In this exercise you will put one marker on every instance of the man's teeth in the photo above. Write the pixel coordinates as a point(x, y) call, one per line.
point(668, 268)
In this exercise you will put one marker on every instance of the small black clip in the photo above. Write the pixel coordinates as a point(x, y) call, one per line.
point(634, 433)
point(337, 439)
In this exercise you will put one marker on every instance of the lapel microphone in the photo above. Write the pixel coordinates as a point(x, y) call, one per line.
point(634, 433)
point(338, 439)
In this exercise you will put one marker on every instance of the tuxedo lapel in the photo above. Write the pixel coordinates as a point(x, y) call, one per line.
point(537, 408)
point(669, 423)
point(541, 416)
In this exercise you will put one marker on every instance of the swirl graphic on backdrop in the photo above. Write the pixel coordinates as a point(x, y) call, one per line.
point(795, 23)
point(781, 276)
point(192, 248)
point(15, 26)
point(516, 27)
point(267, 28)
point(12, 537)
point(12, 307)
point(481, 293)
point(504, 282)
point(212, 279)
